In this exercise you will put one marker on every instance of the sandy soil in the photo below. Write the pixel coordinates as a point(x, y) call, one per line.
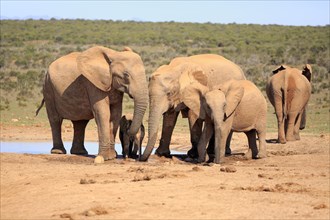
point(291, 183)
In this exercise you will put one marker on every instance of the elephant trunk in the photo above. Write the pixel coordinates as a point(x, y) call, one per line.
point(140, 106)
point(303, 119)
point(155, 115)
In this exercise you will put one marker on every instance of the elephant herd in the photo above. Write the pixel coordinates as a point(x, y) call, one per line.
point(208, 89)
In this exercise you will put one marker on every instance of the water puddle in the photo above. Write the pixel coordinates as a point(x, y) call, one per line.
point(45, 147)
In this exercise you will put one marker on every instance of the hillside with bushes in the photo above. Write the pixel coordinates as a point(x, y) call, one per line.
point(29, 46)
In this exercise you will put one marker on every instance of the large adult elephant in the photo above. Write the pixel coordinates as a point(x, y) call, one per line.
point(165, 87)
point(90, 84)
point(289, 90)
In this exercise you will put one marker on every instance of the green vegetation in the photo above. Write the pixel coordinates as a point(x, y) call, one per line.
point(29, 46)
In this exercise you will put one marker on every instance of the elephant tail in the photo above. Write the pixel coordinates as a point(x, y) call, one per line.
point(41, 105)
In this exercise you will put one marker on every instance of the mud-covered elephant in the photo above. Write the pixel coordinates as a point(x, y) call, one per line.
point(289, 90)
point(237, 105)
point(90, 84)
point(165, 86)
point(130, 144)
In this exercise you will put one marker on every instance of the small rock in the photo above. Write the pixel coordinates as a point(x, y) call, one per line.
point(90, 213)
point(228, 169)
point(261, 175)
point(320, 206)
point(84, 181)
point(196, 168)
point(99, 159)
point(14, 120)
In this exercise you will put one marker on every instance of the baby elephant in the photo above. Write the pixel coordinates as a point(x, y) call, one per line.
point(237, 106)
point(130, 144)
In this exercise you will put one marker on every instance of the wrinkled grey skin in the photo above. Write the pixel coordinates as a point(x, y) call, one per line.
point(90, 84)
point(131, 144)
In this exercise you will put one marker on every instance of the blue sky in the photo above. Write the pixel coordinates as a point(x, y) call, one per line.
point(298, 13)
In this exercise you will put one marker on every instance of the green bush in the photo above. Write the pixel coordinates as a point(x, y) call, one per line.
point(28, 46)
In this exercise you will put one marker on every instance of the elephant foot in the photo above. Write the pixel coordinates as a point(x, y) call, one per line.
point(261, 154)
point(109, 154)
point(297, 136)
point(291, 138)
point(228, 151)
point(133, 156)
point(191, 160)
point(192, 153)
point(248, 154)
point(209, 158)
point(166, 154)
point(78, 150)
point(58, 150)
point(281, 140)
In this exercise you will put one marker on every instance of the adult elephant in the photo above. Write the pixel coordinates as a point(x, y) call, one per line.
point(165, 86)
point(90, 84)
point(289, 90)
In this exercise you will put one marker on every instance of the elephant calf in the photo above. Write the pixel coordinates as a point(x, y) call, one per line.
point(237, 105)
point(130, 144)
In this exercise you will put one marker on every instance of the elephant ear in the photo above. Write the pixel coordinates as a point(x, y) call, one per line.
point(127, 49)
point(191, 73)
point(94, 64)
point(280, 68)
point(192, 97)
point(307, 72)
point(233, 95)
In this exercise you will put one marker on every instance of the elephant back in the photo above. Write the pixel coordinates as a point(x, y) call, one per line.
point(218, 69)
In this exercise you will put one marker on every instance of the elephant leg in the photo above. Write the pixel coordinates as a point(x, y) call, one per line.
point(292, 117)
point(262, 142)
point(79, 137)
point(140, 148)
point(253, 149)
point(136, 147)
point(303, 119)
point(297, 125)
point(195, 126)
point(55, 122)
point(115, 115)
point(130, 149)
point(126, 147)
point(210, 148)
point(103, 127)
point(121, 138)
point(56, 126)
point(169, 121)
point(101, 111)
point(280, 118)
point(221, 135)
point(228, 150)
point(205, 138)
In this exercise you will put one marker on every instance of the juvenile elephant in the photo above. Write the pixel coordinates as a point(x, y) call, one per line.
point(289, 90)
point(165, 86)
point(90, 84)
point(130, 144)
point(237, 105)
